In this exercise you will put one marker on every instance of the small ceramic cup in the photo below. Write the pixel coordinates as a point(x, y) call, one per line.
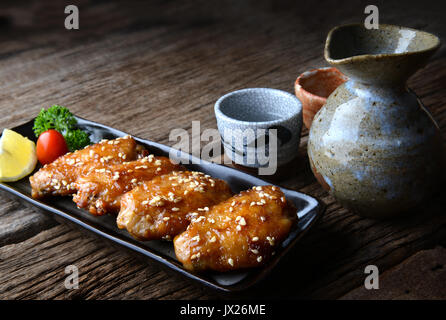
point(259, 127)
point(313, 88)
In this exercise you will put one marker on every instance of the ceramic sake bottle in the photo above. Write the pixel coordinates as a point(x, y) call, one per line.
point(373, 145)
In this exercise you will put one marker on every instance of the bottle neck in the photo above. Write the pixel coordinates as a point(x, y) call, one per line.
point(377, 90)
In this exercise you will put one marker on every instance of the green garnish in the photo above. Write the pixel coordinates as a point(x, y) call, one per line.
point(77, 139)
point(61, 119)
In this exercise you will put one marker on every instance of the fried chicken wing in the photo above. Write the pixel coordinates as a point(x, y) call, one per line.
point(57, 177)
point(164, 206)
point(101, 189)
point(240, 232)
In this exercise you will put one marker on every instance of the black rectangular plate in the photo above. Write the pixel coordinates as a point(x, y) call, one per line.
point(309, 210)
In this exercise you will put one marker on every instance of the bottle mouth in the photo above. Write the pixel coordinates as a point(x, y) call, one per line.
point(355, 42)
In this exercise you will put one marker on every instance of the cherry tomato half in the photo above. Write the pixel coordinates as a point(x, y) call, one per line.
point(50, 146)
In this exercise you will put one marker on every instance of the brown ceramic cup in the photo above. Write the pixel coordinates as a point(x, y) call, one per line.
point(313, 87)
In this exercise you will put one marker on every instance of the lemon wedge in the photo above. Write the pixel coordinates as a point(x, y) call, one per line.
point(17, 156)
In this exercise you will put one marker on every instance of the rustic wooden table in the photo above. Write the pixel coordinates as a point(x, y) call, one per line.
point(149, 67)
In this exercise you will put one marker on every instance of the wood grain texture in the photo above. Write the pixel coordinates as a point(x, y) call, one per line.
point(421, 276)
point(149, 67)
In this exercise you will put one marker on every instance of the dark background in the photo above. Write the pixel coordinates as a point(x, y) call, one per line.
point(42, 20)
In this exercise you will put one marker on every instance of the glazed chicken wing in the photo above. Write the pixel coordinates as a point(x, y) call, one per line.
point(164, 206)
point(100, 190)
point(57, 178)
point(240, 232)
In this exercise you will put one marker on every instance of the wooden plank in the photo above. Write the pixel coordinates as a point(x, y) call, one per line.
point(19, 223)
point(35, 269)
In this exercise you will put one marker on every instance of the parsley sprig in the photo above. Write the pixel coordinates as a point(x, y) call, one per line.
point(61, 119)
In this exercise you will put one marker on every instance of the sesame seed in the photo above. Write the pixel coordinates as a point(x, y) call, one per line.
point(255, 239)
point(231, 262)
point(175, 209)
point(133, 180)
point(270, 240)
point(156, 201)
point(259, 259)
point(233, 203)
point(255, 251)
point(166, 218)
point(213, 239)
point(196, 238)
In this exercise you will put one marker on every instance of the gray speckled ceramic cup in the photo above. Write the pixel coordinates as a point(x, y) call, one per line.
point(245, 120)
